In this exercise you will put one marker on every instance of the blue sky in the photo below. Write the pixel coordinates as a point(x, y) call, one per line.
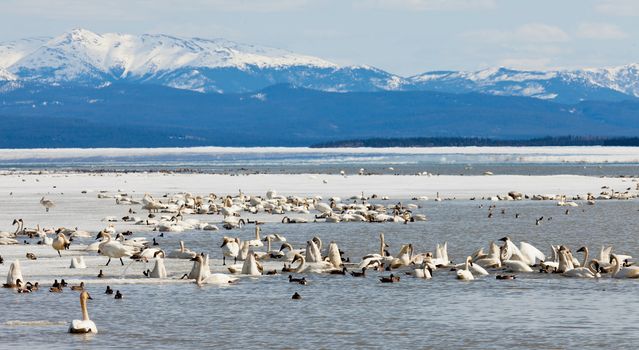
point(401, 36)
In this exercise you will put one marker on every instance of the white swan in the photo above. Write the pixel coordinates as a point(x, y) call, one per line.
point(425, 272)
point(334, 256)
point(85, 325)
point(587, 270)
point(250, 266)
point(182, 253)
point(491, 260)
point(257, 242)
point(112, 249)
point(465, 274)
point(313, 254)
point(316, 267)
point(78, 263)
point(623, 272)
point(231, 248)
point(159, 271)
point(15, 274)
point(213, 278)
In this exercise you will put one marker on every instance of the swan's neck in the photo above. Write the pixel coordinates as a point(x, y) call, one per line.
point(268, 242)
point(467, 264)
point(257, 232)
point(617, 265)
point(83, 305)
point(302, 263)
point(381, 245)
point(585, 257)
point(182, 246)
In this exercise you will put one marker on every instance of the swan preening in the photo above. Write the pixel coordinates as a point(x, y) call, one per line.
point(85, 325)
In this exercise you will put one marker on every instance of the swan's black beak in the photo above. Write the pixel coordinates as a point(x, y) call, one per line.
point(582, 249)
point(194, 259)
point(503, 239)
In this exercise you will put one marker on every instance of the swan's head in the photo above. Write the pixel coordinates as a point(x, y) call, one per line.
point(85, 295)
point(198, 258)
point(286, 245)
point(582, 249)
point(504, 239)
point(297, 257)
point(159, 252)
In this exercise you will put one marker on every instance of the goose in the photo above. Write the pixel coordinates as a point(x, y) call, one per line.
point(315, 267)
point(623, 272)
point(214, 278)
point(465, 274)
point(390, 279)
point(47, 204)
point(85, 325)
point(78, 288)
point(231, 248)
point(112, 249)
point(359, 274)
point(60, 243)
point(15, 274)
point(78, 263)
point(182, 253)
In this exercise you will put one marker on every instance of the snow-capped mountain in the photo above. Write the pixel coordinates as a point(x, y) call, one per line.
point(81, 56)
point(617, 83)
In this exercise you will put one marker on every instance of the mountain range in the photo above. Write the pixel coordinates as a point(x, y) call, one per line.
point(87, 89)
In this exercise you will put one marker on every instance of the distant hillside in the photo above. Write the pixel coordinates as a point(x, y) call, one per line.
point(133, 115)
point(82, 58)
point(481, 142)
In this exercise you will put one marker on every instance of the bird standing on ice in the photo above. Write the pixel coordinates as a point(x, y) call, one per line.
point(47, 203)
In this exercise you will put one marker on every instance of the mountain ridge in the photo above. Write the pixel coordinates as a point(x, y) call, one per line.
point(221, 66)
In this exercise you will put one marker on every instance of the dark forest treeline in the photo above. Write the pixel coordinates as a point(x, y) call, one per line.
point(479, 141)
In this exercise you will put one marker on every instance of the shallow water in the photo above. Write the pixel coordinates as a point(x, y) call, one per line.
point(590, 161)
point(538, 311)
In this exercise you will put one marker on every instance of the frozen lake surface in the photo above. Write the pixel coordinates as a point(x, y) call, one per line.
point(536, 310)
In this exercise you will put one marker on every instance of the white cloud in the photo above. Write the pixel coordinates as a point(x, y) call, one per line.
point(428, 5)
point(527, 33)
point(618, 7)
point(600, 31)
